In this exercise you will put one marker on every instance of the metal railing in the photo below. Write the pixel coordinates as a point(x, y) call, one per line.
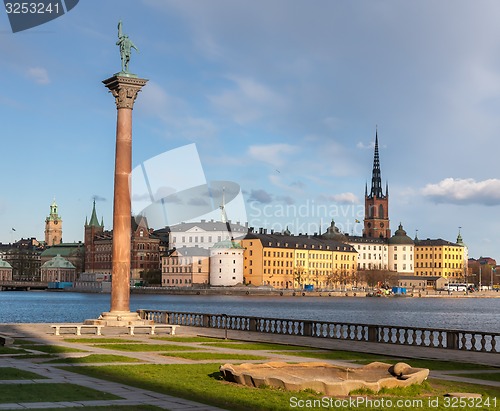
point(389, 334)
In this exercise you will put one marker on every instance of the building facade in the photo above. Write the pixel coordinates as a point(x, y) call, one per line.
point(144, 247)
point(73, 252)
point(58, 269)
point(25, 258)
point(186, 267)
point(287, 261)
point(204, 234)
point(401, 252)
point(226, 263)
point(439, 258)
point(5, 271)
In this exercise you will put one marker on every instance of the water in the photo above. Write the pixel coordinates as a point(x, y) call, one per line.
point(473, 314)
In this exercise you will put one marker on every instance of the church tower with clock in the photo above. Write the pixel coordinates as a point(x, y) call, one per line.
point(53, 227)
point(376, 223)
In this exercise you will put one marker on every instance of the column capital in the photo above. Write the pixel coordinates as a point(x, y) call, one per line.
point(124, 89)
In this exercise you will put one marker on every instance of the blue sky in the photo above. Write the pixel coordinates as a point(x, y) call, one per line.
point(281, 97)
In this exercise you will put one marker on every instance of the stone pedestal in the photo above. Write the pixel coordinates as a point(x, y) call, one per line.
point(125, 89)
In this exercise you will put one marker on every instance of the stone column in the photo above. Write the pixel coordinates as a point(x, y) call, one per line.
point(125, 89)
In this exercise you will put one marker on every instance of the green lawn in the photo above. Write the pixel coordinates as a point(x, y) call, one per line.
point(488, 376)
point(93, 358)
point(363, 358)
point(203, 383)
point(214, 356)
point(100, 340)
point(51, 349)
point(11, 350)
point(146, 347)
point(15, 393)
point(257, 346)
point(191, 339)
point(9, 373)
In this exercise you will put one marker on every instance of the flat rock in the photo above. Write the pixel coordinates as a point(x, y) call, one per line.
point(324, 377)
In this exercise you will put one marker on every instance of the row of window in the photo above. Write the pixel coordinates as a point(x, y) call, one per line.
point(438, 256)
point(180, 261)
point(404, 267)
point(194, 239)
point(175, 281)
point(167, 270)
point(438, 265)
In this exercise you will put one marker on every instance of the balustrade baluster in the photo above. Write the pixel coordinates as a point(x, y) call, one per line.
point(483, 343)
point(438, 338)
point(473, 342)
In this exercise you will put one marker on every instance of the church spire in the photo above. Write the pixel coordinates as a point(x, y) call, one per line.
point(376, 190)
point(93, 218)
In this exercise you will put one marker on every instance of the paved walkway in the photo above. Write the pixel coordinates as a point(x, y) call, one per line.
point(135, 396)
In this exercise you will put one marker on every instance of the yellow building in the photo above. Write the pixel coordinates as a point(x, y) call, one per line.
point(287, 261)
point(439, 258)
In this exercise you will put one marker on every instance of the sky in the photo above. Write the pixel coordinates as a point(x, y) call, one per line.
point(281, 98)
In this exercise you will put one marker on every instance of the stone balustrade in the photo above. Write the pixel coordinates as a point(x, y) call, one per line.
point(414, 336)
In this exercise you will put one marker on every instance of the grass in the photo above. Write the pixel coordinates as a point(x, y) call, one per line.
point(363, 358)
point(17, 393)
point(481, 376)
point(191, 339)
point(51, 349)
point(146, 347)
point(257, 346)
point(22, 341)
point(214, 356)
point(93, 358)
point(339, 355)
point(99, 340)
point(10, 350)
point(9, 373)
point(203, 383)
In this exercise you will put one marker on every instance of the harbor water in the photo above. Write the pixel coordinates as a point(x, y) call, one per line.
point(472, 314)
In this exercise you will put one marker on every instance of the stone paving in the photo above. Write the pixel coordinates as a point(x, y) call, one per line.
point(134, 396)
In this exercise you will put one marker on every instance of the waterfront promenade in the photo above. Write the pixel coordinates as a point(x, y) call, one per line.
point(43, 333)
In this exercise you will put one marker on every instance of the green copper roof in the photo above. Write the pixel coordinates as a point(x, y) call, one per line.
point(58, 262)
point(400, 237)
point(94, 222)
point(4, 264)
point(64, 250)
point(227, 244)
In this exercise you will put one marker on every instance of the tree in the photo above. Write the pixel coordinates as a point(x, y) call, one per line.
point(376, 277)
point(299, 275)
point(151, 277)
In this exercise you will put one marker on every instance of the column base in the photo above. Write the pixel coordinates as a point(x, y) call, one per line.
point(118, 319)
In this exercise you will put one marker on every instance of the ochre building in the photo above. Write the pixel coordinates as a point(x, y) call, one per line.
point(287, 261)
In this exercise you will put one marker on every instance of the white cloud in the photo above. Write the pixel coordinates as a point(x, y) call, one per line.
point(344, 198)
point(248, 101)
point(364, 146)
point(175, 113)
point(272, 154)
point(39, 75)
point(260, 196)
point(464, 191)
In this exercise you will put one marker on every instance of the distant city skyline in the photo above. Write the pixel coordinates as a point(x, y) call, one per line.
point(284, 101)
